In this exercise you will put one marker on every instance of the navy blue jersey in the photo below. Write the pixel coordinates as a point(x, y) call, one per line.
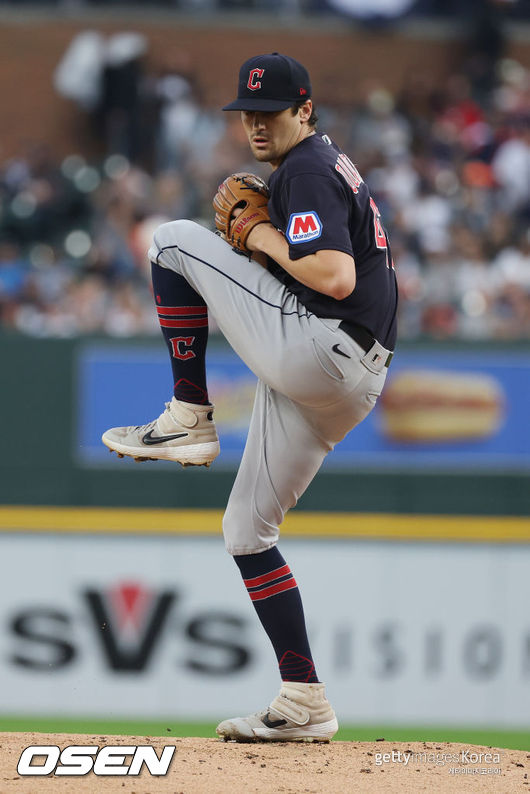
point(319, 201)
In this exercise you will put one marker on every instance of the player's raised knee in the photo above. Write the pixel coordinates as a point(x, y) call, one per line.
point(175, 233)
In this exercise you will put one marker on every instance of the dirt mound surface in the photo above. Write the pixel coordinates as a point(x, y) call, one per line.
point(210, 766)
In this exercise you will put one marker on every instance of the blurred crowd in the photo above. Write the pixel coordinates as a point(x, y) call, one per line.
point(448, 166)
point(362, 10)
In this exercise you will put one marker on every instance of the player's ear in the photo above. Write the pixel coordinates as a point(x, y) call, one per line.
point(305, 110)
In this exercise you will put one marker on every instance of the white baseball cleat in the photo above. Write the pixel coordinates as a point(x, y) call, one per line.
point(300, 713)
point(185, 433)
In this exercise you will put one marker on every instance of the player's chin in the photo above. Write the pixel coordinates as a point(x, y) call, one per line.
point(262, 155)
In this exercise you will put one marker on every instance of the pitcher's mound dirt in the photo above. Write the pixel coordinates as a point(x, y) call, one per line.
point(209, 766)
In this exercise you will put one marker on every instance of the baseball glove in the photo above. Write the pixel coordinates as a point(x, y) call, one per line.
point(248, 193)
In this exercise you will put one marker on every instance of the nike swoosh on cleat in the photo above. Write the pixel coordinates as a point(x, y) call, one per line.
point(272, 723)
point(150, 439)
point(336, 349)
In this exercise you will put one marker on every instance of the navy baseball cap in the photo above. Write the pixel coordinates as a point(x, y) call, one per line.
point(271, 82)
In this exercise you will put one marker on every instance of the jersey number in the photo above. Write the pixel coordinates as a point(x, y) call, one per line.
point(345, 167)
point(379, 233)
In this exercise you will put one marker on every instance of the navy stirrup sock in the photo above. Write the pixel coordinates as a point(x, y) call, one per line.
point(277, 601)
point(183, 317)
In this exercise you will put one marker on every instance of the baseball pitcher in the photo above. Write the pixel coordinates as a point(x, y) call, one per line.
point(301, 282)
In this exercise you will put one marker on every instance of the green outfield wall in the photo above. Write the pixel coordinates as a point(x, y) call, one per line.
point(39, 403)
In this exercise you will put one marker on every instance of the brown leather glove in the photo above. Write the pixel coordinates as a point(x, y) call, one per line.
point(247, 192)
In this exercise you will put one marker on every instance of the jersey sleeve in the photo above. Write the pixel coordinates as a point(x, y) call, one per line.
point(317, 212)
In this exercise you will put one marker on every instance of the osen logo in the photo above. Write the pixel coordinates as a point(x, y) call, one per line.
point(304, 226)
point(77, 759)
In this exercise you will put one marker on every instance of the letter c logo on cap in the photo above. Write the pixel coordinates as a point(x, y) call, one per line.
point(253, 83)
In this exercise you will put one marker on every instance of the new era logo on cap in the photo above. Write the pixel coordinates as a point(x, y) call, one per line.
point(271, 82)
point(303, 226)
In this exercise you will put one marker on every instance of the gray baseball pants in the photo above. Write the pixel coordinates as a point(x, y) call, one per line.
point(308, 396)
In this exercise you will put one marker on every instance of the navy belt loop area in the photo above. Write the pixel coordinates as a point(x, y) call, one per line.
point(364, 339)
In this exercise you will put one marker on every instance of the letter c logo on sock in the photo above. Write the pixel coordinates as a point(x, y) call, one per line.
point(181, 347)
